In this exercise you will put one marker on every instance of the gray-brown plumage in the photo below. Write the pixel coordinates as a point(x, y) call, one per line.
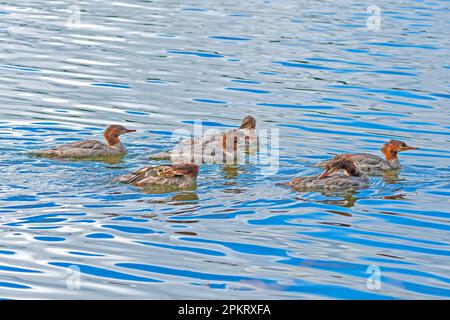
point(183, 175)
point(372, 163)
point(340, 174)
point(220, 148)
point(90, 149)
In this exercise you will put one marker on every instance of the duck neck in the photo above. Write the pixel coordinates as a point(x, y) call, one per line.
point(391, 158)
point(113, 141)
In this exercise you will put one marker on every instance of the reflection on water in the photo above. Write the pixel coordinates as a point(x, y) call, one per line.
point(392, 177)
point(318, 75)
point(230, 172)
point(163, 189)
point(345, 199)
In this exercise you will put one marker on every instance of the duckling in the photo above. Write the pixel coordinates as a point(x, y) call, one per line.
point(219, 148)
point(90, 149)
point(332, 179)
point(182, 175)
point(373, 163)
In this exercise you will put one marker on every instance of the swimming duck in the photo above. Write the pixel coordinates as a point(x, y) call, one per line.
point(219, 148)
point(182, 175)
point(372, 163)
point(332, 179)
point(90, 149)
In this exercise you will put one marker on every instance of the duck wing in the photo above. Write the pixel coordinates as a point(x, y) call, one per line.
point(85, 144)
point(77, 149)
point(367, 158)
point(136, 175)
point(164, 171)
point(184, 151)
point(341, 182)
point(335, 182)
point(369, 162)
point(168, 171)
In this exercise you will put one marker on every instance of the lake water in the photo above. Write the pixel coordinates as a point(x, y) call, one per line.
point(314, 70)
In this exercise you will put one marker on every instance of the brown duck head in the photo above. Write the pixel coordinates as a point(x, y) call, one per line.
point(113, 132)
point(393, 147)
point(341, 162)
point(248, 123)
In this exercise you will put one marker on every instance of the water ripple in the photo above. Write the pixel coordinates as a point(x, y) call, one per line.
point(318, 76)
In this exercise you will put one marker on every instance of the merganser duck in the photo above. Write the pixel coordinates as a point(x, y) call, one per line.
point(372, 163)
point(182, 175)
point(90, 149)
point(331, 179)
point(220, 148)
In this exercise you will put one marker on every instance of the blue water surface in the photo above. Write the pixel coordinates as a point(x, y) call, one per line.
point(314, 72)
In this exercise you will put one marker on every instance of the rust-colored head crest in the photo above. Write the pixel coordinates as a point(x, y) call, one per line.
point(248, 123)
point(392, 147)
point(113, 132)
